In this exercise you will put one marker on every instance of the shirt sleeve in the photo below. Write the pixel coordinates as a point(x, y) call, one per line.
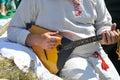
point(25, 13)
point(103, 21)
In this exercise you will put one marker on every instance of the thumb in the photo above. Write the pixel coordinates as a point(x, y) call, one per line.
point(113, 26)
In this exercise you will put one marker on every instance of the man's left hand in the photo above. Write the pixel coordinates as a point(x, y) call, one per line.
point(110, 36)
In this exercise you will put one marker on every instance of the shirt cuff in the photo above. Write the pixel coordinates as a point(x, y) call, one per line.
point(22, 37)
point(101, 30)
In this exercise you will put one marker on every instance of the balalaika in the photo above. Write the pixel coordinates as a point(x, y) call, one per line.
point(54, 59)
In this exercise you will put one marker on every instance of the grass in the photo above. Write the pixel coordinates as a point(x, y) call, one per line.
point(9, 71)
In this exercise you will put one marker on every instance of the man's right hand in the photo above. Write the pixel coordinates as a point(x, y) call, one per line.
point(46, 41)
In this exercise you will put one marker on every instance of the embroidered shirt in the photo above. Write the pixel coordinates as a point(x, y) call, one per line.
point(59, 15)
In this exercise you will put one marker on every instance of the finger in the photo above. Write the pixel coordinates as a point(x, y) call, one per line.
point(54, 33)
point(109, 37)
point(55, 38)
point(51, 42)
point(112, 37)
point(115, 36)
point(113, 27)
point(51, 46)
point(104, 38)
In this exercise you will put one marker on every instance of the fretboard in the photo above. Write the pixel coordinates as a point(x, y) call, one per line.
point(82, 42)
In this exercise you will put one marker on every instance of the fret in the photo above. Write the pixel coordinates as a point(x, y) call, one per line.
point(82, 42)
point(91, 39)
point(99, 37)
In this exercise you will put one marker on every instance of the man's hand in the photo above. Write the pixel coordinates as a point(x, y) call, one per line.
point(46, 41)
point(110, 36)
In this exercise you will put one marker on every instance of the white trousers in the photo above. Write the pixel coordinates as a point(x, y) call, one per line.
point(83, 65)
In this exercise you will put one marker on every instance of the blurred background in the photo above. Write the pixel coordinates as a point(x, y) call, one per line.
point(8, 8)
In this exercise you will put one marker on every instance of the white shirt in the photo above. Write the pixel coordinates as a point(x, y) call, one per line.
point(59, 15)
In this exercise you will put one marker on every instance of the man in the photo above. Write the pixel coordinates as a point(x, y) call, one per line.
point(74, 20)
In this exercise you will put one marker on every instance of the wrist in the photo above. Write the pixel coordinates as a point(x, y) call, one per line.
point(30, 40)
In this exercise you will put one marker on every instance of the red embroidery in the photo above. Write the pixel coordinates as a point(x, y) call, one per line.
point(104, 65)
point(76, 5)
